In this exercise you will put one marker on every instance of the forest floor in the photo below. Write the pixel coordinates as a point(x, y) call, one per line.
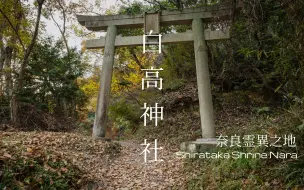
point(102, 164)
point(120, 164)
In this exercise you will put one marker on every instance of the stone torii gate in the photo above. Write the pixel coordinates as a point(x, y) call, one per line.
point(152, 21)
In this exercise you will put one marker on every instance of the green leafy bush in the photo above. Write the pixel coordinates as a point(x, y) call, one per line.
point(125, 114)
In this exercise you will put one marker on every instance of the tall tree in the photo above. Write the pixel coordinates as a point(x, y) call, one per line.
point(27, 49)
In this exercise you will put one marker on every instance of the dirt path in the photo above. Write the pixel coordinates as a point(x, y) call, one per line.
point(130, 171)
point(124, 171)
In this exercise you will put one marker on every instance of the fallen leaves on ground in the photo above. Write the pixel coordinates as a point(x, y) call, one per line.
point(126, 170)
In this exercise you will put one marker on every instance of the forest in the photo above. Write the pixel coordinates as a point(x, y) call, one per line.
point(53, 96)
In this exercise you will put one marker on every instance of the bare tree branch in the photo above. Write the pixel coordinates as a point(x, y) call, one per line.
point(31, 46)
point(131, 96)
point(2, 49)
point(13, 28)
point(62, 31)
point(136, 58)
point(157, 3)
point(14, 104)
point(83, 35)
point(87, 10)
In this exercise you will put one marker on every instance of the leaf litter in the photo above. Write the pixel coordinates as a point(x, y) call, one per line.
point(124, 170)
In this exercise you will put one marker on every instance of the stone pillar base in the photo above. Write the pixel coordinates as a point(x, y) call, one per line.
point(199, 146)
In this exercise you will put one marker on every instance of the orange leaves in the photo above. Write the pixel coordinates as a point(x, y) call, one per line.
point(29, 150)
point(83, 46)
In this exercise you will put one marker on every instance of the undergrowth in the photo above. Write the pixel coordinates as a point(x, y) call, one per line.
point(256, 173)
point(30, 169)
point(238, 113)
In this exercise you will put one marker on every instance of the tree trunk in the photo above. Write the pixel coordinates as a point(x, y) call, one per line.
point(8, 70)
point(65, 107)
point(14, 104)
point(73, 109)
point(2, 59)
point(19, 82)
point(2, 55)
point(2, 52)
point(63, 30)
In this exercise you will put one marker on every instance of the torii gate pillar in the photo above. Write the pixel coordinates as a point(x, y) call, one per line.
point(105, 84)
point(203, 79)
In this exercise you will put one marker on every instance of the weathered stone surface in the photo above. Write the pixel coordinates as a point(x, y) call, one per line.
point(203, 80)
point(199, 146)
point(99, 129)
point(166, 39)
point(208, 13)
point(152, 23)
